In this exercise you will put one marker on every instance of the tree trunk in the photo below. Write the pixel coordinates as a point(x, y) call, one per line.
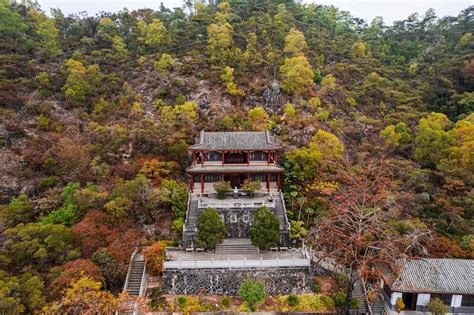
point(350, 288)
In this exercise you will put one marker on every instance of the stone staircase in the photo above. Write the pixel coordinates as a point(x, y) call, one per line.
point(193, 213)
point(236, 246)
point(135, 276)
point(279, 212)
point(379, 307)
point(358, 293)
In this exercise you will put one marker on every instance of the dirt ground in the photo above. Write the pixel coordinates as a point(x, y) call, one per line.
point(328, 284)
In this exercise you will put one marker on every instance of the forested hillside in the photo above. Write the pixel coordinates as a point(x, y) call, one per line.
point(97, 113)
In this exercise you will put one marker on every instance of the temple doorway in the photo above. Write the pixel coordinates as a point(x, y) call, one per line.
point(235, 180)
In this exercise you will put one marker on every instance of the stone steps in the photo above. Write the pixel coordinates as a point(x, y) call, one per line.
point(193, 213)
point(358, 293)
point(279, 211)
point(237, 247)
point(135, 277)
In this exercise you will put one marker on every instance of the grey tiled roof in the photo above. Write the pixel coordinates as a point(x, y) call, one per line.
point(455, 276)
point(235, 169)
point(238, 140)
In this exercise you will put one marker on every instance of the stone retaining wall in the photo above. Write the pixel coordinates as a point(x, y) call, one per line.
point(227, 281)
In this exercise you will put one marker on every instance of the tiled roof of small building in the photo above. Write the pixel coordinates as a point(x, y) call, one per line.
point(449, 276)
point(238, 140)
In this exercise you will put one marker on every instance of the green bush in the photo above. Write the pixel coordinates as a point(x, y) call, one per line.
point(316, 287)
point(225, 301)
point(181, 301)
point(222, 188)
point(48, 182)
point(43, 122)
point(340, 278)
point(437, 306)
point(157, 303)
point(19, 210)
point(251, 187)
point(339, 299)
point(211, 229)
point(355, 303)
point(266, 228)
point(155, 292)
point(156, 298)
point(252, 292)
point(293, 300)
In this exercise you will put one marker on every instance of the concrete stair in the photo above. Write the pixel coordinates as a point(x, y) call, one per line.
point(236, 246)
point(192, 214)
point(279, 211)
point(135, 277)
point(358, 293)
point(379, 307)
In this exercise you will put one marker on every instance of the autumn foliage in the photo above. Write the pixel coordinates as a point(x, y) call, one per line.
point(154, 257)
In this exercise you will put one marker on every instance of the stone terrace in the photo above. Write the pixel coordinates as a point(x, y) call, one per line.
point(180, 255)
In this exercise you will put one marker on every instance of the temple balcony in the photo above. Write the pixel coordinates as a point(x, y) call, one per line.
point(205, 158)
point(210, 192)
point(240, 201)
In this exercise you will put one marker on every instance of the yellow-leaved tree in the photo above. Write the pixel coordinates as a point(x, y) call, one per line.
point(84, 296)
point(220, 45)
point(296, 71)
point(259, 118)
point(295, 43)
point(153, 34)
point(297, 75)
point(228, 79)
point(323, 148)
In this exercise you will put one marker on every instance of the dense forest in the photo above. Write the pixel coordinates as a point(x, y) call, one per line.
point(97, 114)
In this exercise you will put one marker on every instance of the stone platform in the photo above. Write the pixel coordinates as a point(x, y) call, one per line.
point(180, 255)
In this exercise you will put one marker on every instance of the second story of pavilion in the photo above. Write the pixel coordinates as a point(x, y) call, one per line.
point(235, 157)
point(240, 148)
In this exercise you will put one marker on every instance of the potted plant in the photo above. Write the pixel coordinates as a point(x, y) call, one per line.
point(221, 189)
point(437, 306)
point(251, 187)
point(399, 305)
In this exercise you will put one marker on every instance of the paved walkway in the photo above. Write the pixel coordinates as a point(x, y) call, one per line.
point(177, 255)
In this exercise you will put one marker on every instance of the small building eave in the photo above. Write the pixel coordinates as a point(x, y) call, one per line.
point(234, 169)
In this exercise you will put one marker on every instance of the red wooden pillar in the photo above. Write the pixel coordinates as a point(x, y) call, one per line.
point(248, 158)
point(222, 177)
point(222, 156)
point(192, 183)
point(202, 158)
point(278, 182)
point(268, 157)
point(194, 157)
point(202, 183)
point(268, 182)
